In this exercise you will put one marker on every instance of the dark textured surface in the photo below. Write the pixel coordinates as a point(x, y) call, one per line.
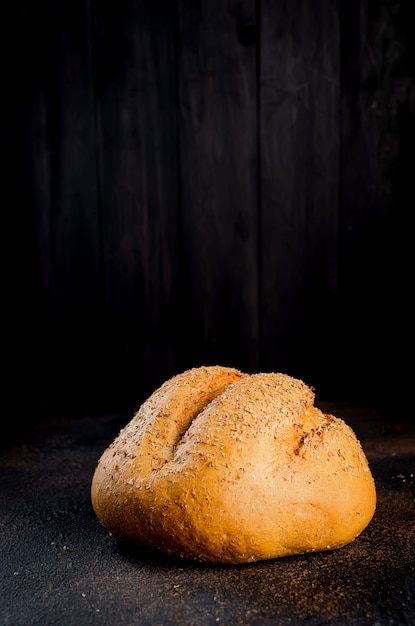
point(59, 566)
point(216, 181)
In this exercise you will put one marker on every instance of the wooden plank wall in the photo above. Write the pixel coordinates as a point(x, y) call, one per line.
point(207, 182)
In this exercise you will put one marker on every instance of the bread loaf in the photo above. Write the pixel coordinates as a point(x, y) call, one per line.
point(225, 467)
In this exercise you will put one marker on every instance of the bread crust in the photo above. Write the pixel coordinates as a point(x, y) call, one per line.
point(225, 467)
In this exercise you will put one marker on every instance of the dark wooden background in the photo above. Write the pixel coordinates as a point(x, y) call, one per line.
point(207, 181)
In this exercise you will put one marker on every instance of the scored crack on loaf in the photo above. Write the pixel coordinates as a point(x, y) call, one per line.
point(226, 467)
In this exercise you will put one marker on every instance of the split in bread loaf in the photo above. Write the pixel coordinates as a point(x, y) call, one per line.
point(225, 467)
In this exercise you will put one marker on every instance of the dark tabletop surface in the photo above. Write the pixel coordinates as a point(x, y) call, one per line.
point(59, 565)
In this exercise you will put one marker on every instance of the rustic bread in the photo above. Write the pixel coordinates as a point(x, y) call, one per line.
point(226, 467)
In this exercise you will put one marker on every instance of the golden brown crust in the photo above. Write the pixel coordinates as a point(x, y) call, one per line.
point(222, 466)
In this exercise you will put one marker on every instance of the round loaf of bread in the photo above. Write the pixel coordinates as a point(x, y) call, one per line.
point(226, 467)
